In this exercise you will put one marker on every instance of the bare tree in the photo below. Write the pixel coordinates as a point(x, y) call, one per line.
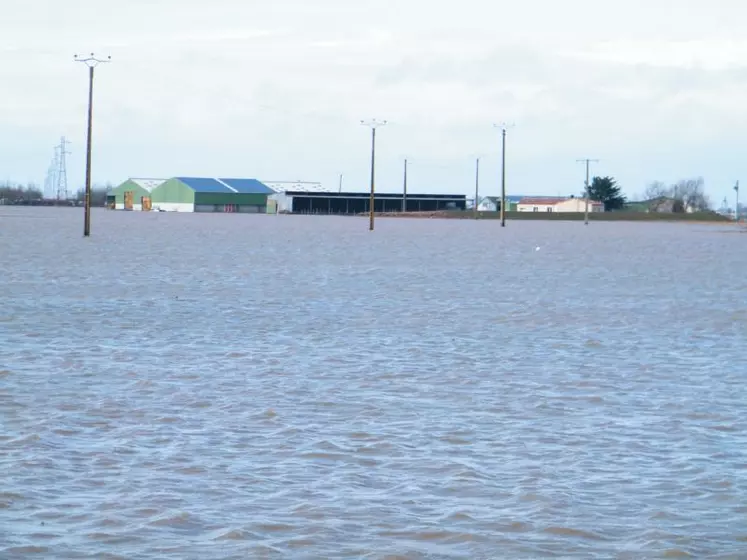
point(14, 193)
point(687, 195)
point(657, 189)
point(690, 194)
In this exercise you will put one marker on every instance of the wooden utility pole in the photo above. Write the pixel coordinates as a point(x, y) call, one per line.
point(373, 124)
point(477, 186)
point(586, 189)
point(504, 127)
point(404, 190)
point(91, 62)
point(503, 177)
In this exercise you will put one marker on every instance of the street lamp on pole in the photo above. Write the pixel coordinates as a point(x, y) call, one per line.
point(373, 125)
point(91, 62)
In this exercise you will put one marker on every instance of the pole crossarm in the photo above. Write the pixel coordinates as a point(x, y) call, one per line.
point(91, 61)
point(373, 123)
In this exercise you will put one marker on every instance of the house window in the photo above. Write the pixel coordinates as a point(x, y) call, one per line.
point(535, 209)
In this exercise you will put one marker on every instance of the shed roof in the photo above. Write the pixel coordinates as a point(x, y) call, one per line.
point(248, 186)
point(202, 184)
point(295, 186)
point(213, 185)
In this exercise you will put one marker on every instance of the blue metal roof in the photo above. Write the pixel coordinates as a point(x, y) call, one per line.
point(248, 186)
point(203, 185)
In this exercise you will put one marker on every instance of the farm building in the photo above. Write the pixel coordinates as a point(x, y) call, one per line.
point(493, 203)
point(321, 202)
point(201, 194)
point(133, 194)
point(558, 204)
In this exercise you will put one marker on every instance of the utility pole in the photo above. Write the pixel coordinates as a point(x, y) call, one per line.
point(503, 128)
point(91, 62)
point(373, 125)
point(586, 190)
point(477, 185)
point(736, 208)
point(404, 190)
point(339, 190)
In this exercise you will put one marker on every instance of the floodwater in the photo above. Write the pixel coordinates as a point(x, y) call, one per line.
point(232, 386)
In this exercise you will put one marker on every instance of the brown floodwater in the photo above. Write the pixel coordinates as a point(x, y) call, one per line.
point(185, 386)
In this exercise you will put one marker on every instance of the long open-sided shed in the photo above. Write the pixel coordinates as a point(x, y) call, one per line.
point(303, 202)
point(204, 194)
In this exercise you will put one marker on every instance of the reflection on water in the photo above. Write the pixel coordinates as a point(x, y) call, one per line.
point(230, 386)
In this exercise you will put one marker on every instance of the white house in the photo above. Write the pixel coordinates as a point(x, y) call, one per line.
point(557, 204)
point(493, 203)
point(574, 204)
point(489, 204)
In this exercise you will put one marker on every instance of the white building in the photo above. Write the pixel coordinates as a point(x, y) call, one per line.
point(281, 201)
point(489, 204)
point(558, 204)
point(493, 203)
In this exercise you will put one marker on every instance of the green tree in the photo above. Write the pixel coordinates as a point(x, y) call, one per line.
point(607, 191)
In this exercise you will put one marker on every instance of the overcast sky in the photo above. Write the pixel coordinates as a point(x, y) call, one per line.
point(655, 89)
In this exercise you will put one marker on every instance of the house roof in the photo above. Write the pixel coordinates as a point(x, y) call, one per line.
point(553, 200)
point(542, 200)
point(212, 185)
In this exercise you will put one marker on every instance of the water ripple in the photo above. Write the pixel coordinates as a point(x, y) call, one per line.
point(265, 386)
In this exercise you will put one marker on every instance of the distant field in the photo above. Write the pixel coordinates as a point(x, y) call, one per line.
point(572, 216)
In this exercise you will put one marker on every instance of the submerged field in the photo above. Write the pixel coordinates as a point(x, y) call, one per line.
point(710, 217)
point(252, 386)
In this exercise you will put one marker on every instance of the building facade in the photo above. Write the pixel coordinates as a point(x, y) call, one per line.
point(566, 205)
point(493, 203)
point(133, 194)
point(201, 194)
point(348, 203)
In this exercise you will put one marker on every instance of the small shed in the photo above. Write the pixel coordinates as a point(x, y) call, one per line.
point(133, 194)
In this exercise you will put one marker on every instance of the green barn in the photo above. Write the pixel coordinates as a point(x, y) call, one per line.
point(200, 194)
point(130, 194)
